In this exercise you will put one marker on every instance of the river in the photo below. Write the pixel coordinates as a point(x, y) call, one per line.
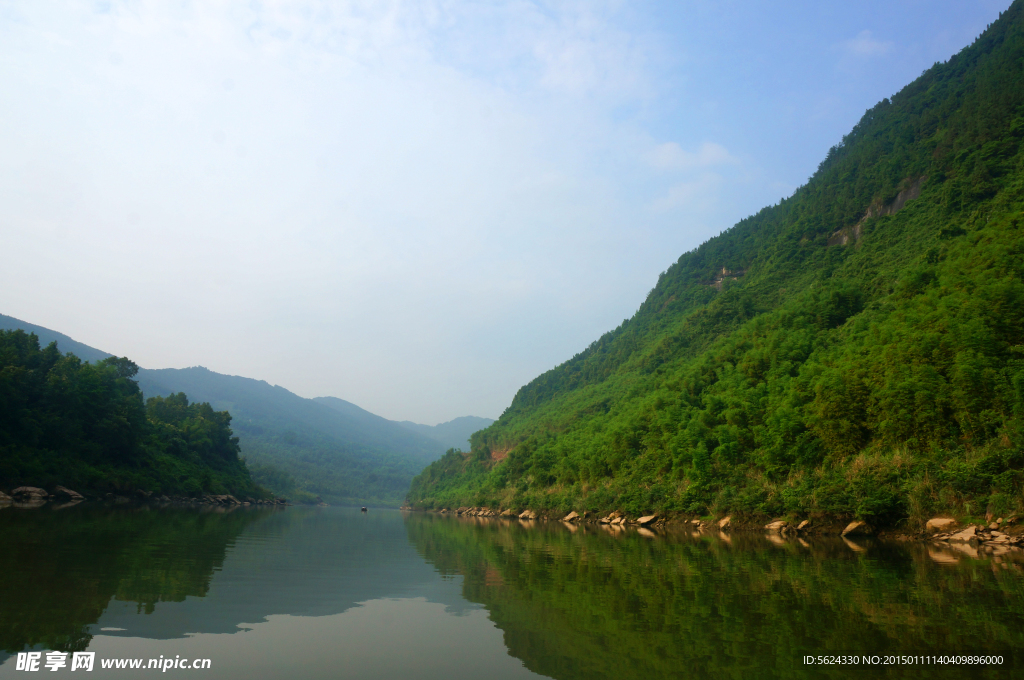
point(335, 593)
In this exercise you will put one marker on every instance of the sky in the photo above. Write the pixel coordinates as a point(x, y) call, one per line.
point(418, 206)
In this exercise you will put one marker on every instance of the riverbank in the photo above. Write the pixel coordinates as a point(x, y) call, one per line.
point(34, 497)
point(996, 532)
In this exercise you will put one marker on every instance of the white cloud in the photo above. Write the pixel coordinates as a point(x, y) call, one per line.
point(866, 45)
point(670, 156)
point(697, 195)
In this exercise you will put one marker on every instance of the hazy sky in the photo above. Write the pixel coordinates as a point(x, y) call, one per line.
point(414, 206)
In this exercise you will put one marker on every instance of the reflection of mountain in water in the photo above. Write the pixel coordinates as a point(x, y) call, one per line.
point(164, 573)
point(585, 604)
point(60, 568)
point(303, 562)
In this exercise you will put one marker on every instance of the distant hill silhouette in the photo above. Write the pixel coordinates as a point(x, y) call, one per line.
point(301, 448)
point(454, 434)
point(46, 336)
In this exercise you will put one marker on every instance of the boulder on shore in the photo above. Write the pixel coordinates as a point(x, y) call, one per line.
point(858, 528)
point(571, 517)
point(29, 493)
point(968, 535)
point(507, 513)
point(4, 498)
point(644, 521)
point(803, 525)
point(724, 523)
point(940, 524)
point(777, 526)
point(64, 492)
point(527, 514)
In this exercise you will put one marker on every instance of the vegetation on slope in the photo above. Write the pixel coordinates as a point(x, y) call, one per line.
point(855, 350)
point(304, 449)
point(46, 336)
point(307, 449)
point(453, 434)
point(85, 426)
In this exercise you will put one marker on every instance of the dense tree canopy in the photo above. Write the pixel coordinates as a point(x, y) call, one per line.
point(85, 426)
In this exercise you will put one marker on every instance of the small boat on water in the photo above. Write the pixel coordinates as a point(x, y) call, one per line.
point(363, 509)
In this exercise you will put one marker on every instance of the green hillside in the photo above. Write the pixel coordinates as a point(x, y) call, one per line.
point(855, 350)
point(453, 434)
point(307, 448)
point(85, 426)
point(299, 448)
point(46, 336)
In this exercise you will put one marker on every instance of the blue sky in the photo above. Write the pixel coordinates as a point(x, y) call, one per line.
point(414, 206)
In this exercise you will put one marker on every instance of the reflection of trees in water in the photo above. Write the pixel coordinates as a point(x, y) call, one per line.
point(587, 604)
point(60, 569)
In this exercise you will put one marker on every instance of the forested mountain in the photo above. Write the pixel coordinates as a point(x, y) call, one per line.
point(452, 435)
point(46, 336)
point(855, 350)
point(85, 426)
point(322, 447)
point(299, 448)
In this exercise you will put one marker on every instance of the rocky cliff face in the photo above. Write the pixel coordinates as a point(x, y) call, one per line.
point(852, 234)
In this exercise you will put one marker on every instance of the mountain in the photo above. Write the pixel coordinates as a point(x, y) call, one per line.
point(300, 448)
point(326, 446)
point(452, 435)
point(384, 432)
point(85, 425)
point(322, 447)
point(258, 406)
point(853, 351)
point(46, 336)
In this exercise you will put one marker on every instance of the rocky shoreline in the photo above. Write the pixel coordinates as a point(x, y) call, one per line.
point(33, 497)
point(998, 534)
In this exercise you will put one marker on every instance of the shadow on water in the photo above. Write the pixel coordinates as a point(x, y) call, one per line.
point(592, 602)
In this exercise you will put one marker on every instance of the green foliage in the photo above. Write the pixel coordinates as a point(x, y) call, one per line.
point(85, 426)
point(308, 449)
point(851, 351)
point(455, 433)
point(304, 465)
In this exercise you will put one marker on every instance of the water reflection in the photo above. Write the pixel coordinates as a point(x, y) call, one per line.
point(304, 592)
point(162, 573)
point(60, 567)
point(601, 603)
point(335, 593)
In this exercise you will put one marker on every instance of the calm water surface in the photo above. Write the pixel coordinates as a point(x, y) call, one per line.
point(334, 593)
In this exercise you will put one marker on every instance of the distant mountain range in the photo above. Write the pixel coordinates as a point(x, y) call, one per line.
point(297, 447)
point(46, 336)
point(453, 435)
